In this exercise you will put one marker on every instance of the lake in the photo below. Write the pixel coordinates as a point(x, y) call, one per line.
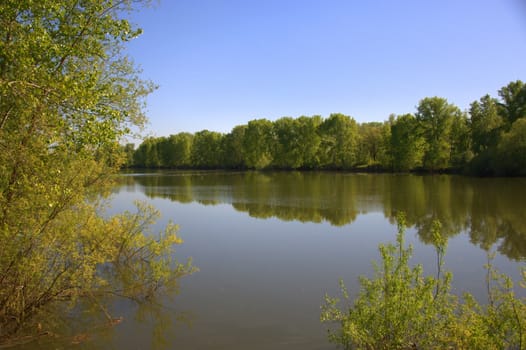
point(269, 245)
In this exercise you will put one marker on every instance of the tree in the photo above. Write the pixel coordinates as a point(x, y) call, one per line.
point(164, 150)
point(68, 97)
point(309, 140)
point(181, 150)
point(338, 146)
point(129, 150)
point(206, 149)
point(147, 155)
point(435, 117)
point(407, 146)
point(511, 153)
point(460, 140)
point(286, 149)
point(257, 143)
point(370, 143)
point(233, 148)
point(513, 105)
point(486, 124)
point(491, 120)
point(385, 157)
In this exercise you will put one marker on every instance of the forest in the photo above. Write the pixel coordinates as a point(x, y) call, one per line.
point(488, 140)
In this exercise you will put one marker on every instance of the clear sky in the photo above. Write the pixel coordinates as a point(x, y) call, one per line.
point(221, 63)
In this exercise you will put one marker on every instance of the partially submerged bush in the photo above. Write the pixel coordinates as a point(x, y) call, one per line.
point(83, 265)
point(400, 308)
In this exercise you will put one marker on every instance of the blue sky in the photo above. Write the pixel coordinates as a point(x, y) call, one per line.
point(221, 63)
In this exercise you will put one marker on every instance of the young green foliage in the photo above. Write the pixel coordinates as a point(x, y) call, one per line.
point(68, 96)
point(400, 308)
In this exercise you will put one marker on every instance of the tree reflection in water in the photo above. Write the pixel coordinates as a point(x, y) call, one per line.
point(490, 210)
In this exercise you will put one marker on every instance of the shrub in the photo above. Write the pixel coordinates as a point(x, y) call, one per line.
point(400, 308)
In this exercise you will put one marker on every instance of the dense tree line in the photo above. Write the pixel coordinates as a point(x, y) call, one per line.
point(488, 139)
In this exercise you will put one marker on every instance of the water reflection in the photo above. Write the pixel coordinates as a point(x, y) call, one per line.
point(491, 211)
point(86, 327)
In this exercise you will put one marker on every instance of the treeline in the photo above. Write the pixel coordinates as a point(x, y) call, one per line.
point(488, 139)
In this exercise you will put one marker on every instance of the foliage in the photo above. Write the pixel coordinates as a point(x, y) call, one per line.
point(513, 105)
point(512, 150)
point(435, 118)
point(339, 136)
point(232, 147)
point(438, 137)
point(287, 147)
point(309, 140)
point(400, 308)
point(371, 143)
point(257, 142)
point(460, 152)
point(69, 95)
point(407, 146)
point(485, 123)
point(206, 149)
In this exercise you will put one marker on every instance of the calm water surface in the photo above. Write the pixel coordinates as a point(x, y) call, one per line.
point(270, 245)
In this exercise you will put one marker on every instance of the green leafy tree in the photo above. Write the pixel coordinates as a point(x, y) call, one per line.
point(233, 148)
point(181, 150)
point(512, 150)
point(407, 146)
point(370, 143)
point(206, 149)
point(385, 157)
point(139, 156)
point(435, 117)
point(309, 140)
point(69, 95)
point(513, 105)
point(257, 144)
point(164, 151)
point(460, 138)
point(339, 139)
point(129, 150)
point(491, 120)
point(147, 154)
point(287, 152)
point(486, 124)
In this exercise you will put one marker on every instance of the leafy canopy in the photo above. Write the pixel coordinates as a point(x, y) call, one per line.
point(68, 96)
